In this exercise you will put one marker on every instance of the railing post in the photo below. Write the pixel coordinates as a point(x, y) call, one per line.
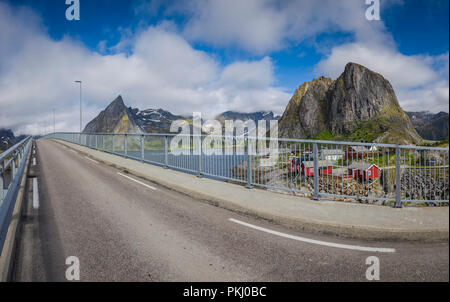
point(103, 142)
point(13, 165)
point(142, 147)
point(249, 166)
point(166, 155)
point(1, 184)
point(398, 180)
point(316, 172)
point(199, 172)
point(125, 144)
point(96, 142)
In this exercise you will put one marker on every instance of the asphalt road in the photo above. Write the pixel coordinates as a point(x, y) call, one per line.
point(123, 230)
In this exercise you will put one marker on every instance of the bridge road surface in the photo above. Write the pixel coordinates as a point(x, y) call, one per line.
point(122, 230)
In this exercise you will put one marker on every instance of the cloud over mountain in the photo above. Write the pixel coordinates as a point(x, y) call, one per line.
point(164, 70)
point(189, 65)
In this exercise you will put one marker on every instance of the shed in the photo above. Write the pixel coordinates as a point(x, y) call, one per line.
point(355, 152)
point(364, 170)
point(325, 168)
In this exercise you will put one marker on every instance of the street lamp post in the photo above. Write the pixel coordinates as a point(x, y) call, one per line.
point(81, 116)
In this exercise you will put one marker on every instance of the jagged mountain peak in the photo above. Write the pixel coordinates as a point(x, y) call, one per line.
point(116, 105)
point(359, 105)
point(116, 118)
point(303, 115)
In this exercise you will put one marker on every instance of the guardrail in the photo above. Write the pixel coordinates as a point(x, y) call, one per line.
point(368, 172)
point(12, 165)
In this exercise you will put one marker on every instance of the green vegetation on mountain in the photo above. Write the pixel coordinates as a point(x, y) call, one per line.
point(360, 105)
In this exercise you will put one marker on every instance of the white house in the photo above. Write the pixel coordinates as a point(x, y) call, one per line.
point(332, 154)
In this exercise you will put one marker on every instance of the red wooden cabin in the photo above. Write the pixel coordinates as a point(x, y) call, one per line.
point(363, 170)
point(354, 152)
point(325, 168)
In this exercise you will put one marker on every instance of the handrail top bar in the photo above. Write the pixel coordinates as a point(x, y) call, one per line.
point(13, 148)
point(293, 140)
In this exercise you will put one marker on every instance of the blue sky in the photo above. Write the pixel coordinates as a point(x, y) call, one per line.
point(212, 56)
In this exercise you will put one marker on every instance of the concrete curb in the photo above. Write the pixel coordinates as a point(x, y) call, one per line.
point(7, 256)
point(296, 223)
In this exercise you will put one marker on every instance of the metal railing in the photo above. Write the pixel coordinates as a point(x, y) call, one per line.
point(365, 172)
point(12, 165)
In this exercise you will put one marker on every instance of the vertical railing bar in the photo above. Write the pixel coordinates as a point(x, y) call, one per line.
point(316, 172)
point(166, 155)
point(249, 165)
point(142, 148)
point(398, 197)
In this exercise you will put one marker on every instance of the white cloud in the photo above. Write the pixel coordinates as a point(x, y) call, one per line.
point(262, 26)
point(163, 70)
point(252, 24)
point(256, 74)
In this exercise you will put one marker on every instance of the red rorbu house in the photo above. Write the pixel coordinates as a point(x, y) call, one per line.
point(363, 170)
point(325, 168)
point(353, 152)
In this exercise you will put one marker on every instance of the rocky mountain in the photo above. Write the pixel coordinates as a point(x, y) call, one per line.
point(255, 116)
point(116, 118)
point(304, 116)
point(430, 126)
point(7, 139)
point(360, 105)
point(155, 120)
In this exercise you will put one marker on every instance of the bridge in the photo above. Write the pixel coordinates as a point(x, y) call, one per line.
point(129, 209)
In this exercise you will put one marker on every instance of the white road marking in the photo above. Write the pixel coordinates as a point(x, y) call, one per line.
point(91, 159)
point(73, 151)
point(139, 182)
point(35, 194)
point(325, 243)
point(34, 161)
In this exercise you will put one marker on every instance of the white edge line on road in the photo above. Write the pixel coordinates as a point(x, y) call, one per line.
point(139, 182)
point(325, 243)
point(35, 194)
point(91, 159)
